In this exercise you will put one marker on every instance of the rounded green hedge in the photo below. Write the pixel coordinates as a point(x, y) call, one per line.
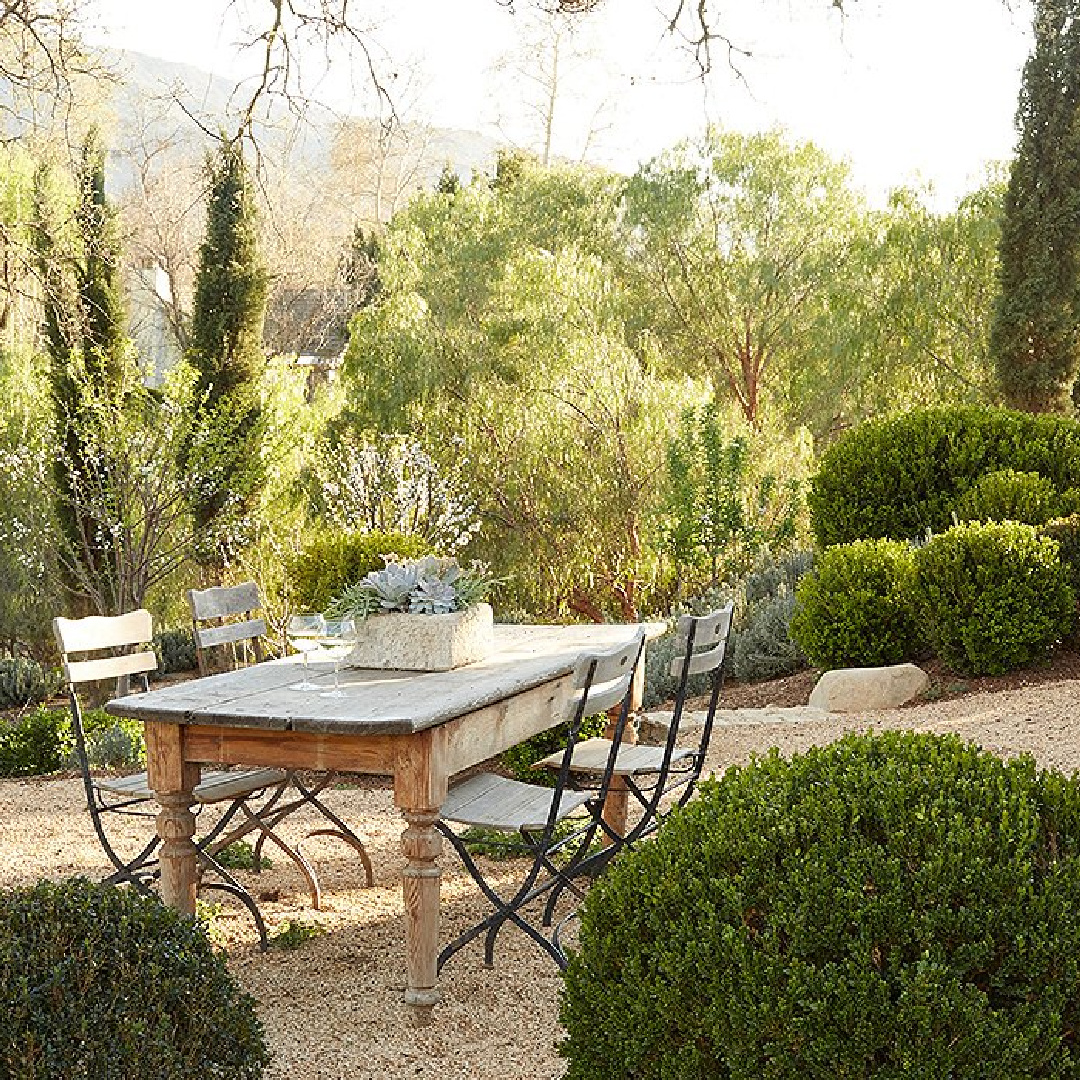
point(903, 475)
point(993, 596)
point(855, 609)
point(104, 982)
point(330, 563)
point(891, 907)
point(1008, 495)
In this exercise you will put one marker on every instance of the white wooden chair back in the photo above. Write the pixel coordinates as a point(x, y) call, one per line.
point(97, 633)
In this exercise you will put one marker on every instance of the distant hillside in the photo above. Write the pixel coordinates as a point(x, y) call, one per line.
point(156, 100)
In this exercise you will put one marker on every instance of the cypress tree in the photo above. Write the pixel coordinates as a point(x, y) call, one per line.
point(1035, 339)
point(90, 363)
point(224, 458)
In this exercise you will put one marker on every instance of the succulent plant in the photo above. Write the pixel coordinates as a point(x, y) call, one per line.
point(425, 586)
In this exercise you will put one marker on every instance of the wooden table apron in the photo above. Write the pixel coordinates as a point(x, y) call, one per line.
point(235, 719)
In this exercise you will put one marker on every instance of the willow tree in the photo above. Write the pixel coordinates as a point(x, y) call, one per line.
point(224, 455)
point(1035, 339)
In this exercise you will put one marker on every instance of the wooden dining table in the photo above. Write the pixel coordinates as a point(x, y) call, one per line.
point(420, 728)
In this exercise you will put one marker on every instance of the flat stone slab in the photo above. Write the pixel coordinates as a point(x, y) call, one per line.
point(653, 726)
point(852, 690)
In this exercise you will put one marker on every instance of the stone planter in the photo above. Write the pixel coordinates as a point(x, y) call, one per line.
point(423, 642)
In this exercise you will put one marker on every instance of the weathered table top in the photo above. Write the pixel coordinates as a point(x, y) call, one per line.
point(376, 702)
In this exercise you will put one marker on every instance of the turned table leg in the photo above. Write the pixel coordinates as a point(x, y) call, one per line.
point(173, 780)
point(419, 790)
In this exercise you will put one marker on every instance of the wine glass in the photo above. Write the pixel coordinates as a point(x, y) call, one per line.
point(338, 638)
point(304, 632)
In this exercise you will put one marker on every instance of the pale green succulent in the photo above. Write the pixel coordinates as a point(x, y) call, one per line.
point(426, 586)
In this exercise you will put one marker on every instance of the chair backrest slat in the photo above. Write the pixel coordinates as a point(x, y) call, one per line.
point(209, 636)
point(710, 637)
point(108, 667)
point(221, 601)
point(97, 633)
point(103, 631)
point(601, 680)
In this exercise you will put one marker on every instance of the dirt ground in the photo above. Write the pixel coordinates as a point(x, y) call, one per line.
point(332, 1007)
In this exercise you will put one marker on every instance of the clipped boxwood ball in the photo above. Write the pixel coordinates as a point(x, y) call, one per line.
point(890, 907)
point(993, 596)
point(855, 609)
point(98, 982)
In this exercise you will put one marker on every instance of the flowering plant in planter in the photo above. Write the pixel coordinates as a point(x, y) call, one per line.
point(426, 586)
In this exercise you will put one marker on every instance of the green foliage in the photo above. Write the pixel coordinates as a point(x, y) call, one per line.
point(520, 760)
point(1035, 341)
point(993, 596)
point(294, 933)
point(35, 743)
point(903, 475)
point(739, 243)
point(892, 906)
point(115, 743)
point(241, 856)
point(855, 608)
point(98, 981)
point(504, 340)
point(175, 650)
point(224, 456)
point(1065, 532)
point(25, 682)
point(1008, 495)
point(723, 509)
point(762, 647)
point(332, 561)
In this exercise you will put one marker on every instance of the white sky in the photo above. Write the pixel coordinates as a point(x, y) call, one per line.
point(908, 91)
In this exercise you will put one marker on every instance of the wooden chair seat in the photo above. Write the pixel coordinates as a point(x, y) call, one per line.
point(214, 787)
point(488, 801)
point(632, 759)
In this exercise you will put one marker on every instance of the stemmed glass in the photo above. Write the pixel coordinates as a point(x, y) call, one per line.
point(338, 638)
point(304, 632)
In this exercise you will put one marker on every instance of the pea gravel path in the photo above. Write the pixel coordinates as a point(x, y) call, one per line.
point(332, 1007)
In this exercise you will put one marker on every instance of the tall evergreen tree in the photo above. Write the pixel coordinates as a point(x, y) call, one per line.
point(224, 457)
point(1035, 340)
point(91, 364)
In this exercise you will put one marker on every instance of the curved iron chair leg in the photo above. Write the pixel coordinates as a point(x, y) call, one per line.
point(341, 831)
point(504, 911)
point(230, 885)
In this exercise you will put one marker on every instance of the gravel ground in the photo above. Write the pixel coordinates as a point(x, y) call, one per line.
point(332, 1006)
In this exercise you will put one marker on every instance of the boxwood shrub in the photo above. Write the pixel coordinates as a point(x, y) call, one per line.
point(993, 596)
point(329, 563)
point(855, 609)
point(890, 907)
point(104, 982)
point(1008, 495)
point(902, 475)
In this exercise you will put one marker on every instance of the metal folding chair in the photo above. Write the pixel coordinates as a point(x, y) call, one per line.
point(226, 617)
point(118, 647)
point(654, 775)
point(557, 828)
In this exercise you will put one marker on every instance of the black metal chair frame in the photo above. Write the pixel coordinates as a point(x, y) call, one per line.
point(127, 797)
point(244, 600)
point(704, 647)
point(602, 682)
point(704, 640)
